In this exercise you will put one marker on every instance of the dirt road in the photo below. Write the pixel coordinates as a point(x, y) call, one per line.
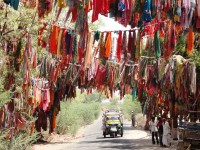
point(91, 138)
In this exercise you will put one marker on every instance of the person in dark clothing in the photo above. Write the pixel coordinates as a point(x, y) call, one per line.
point(160, 131)
point(133, 119)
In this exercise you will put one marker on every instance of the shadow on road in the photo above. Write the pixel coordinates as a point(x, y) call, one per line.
point(54, 143)
point(120, 143)
point(109, 137)
point(128, 127)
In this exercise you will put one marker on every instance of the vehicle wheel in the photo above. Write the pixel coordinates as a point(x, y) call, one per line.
point(122, 135)
point(115, 134)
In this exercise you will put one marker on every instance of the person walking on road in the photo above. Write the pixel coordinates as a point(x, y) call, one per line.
point(133, 119)
point(154, 130)
point(160, 131)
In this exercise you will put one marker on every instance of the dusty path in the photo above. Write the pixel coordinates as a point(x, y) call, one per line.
point(91, 138)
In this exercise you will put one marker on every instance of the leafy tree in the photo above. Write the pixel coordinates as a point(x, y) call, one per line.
point(14, 26)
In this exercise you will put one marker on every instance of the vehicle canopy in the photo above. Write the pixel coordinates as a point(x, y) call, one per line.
point(113, 117)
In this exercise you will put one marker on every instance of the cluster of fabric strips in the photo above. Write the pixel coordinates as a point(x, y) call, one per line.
point(162, 39)
point(162, 83)
point(127, 12)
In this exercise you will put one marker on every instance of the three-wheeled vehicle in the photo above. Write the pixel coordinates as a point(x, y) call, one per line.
point(112, 123)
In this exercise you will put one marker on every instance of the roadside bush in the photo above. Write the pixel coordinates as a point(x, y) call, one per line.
point(74, 115)
point(113, 105)
point(141, 120)
point(128, 106)
point(21, 141)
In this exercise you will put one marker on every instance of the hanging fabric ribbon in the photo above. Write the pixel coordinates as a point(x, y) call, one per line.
point(74, 48)
point(134, 93)
point(147, 11)
point(88, 55)
point(190, 42)
point(102, 46)
point(119, 46)
point(138, 47)
point(108, 45)
point(124, 44)
point(130, 43)
point(12, 3)
point(157, 44)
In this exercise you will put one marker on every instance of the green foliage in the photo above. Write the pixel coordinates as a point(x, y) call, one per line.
point(15, 25)
point(94, 97)
point(94, 26)
point(196, 52)
point(128, 106)
point(113, 105)
point(4, 95)
point(180, 47)
point(21, 141)
point(196, 57)
point(18, 22)
point(75, 115)
point(4, 98)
